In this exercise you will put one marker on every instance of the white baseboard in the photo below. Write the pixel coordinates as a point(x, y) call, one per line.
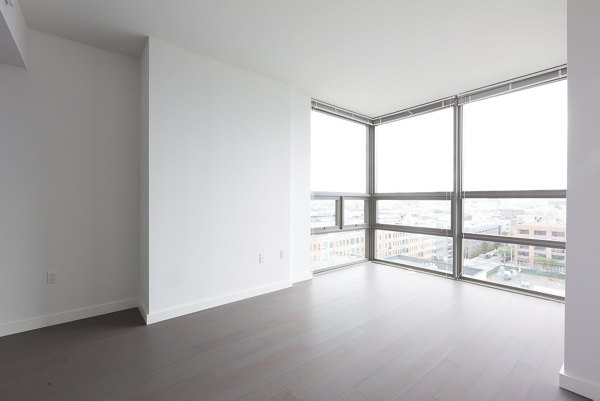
point(143, 308)
point(64, 317)
point(586, 389)
point(302, 277)
point(214, 302)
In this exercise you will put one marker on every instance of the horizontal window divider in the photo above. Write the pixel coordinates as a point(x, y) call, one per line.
point(414, 196)
point(342, 265)
point(517, 290)
point(440, 232)
point(411, 267)
point(526, 81)
point(516, 240)
point(317, 198)
point(351, 227)
point(553, 193)
point(415, 111)
point(336, 229)
point(340, 112)
point(329, 195)
point(513, 85)
point(324, 230)
point(356, 197)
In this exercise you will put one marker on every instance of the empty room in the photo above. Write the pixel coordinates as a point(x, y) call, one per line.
point(279, 200)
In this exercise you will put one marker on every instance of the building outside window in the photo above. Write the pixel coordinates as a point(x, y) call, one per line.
point(492, 212)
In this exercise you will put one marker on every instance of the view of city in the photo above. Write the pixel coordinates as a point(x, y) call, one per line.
point(419, 250)
point(414, 156)
point(416, 213)
point(323, 212)
point(354, 211)
point(537, 268)
point(327, 250)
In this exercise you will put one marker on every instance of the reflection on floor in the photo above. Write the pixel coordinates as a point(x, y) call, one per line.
point(369, 332)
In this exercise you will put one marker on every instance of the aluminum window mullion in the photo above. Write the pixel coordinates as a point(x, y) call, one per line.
point(319, 197)
point(365, 198)
point(415, 268)
point(339, 112)
point(324, 230)
point(440, 232)
point(316, 195)
point(339, 212)
point(516, 290)
point(513, 85)
point(524, 82)
point(551, 194)
point(517, 84)
point(371, 204)
point(414, 111)
point(354, 227)
point(516, 240)
point(457, 201)
point(340, 266)
point(413, 196)
point(333, 230)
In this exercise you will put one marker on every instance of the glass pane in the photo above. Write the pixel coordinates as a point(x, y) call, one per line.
point(528, 218)
point(328, 250)
point(354, 211)
point(338, 154)
point(534, 268)
point(322, 213)
point(426, 251)
point(415, 154)
point(517, 141)
point(417, 213)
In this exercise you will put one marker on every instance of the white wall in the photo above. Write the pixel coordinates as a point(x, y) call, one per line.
point(219, 182)
point(300, 187)
point(582, 309)
point(69, 198)
point(144, 205)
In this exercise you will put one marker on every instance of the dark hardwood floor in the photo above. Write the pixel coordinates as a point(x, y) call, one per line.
point(369, 332)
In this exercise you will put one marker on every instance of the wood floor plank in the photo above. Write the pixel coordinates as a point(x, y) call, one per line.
point(517, 384)
point(428, 385)
point(369, 332)
point(350, 395)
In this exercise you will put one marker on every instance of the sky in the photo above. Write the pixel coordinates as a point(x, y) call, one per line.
point(338, 154)
point(516, 141)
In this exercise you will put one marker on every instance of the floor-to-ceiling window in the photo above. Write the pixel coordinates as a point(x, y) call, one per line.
point(339, 183)
point(472, 186)
point(413, 191)
point(514, 188)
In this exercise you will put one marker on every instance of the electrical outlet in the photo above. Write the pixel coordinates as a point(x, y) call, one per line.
point(281, 255)
point(261, 258)
point(52, 277)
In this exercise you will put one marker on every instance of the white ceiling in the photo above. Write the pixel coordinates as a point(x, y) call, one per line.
point(372, 57)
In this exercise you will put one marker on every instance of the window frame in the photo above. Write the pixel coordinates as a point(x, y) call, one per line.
point(447, 196)
point(341, 197)
point(457, 196)
point(560, 74)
